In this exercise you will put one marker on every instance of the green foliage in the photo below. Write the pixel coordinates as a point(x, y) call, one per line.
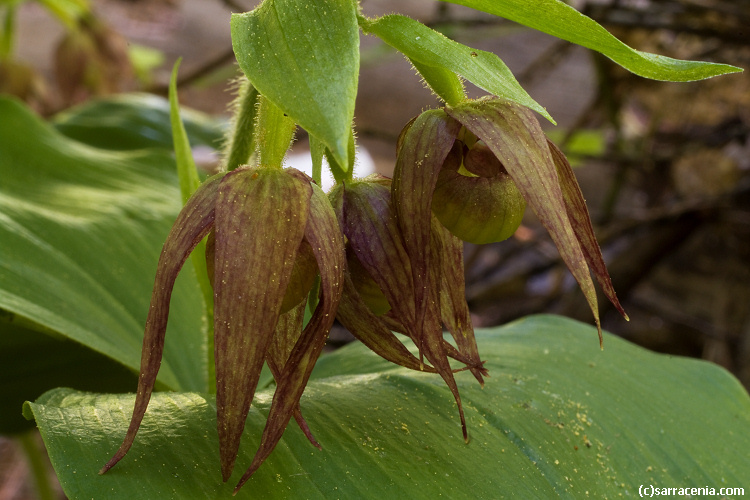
point(134, 121)
point(304, 57)
point(428, 47)
point(558, 417)
point(563, 21)
point(81, 229)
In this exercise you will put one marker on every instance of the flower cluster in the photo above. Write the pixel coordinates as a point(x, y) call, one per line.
point(388, 254)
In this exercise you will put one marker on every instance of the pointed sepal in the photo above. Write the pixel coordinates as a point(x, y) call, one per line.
point(323, 234)
point(514, 135)
point(193, 223)
point(261, 215)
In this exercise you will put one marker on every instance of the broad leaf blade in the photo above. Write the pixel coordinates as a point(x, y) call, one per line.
point(31, 363)
point(304, 57)
point(559, 19)
point(134, 121)
point(81, 230)
point(394, 432)
point(428, 47)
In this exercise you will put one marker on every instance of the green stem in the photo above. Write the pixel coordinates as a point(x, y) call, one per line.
point(38, 460)
point(274, 134)
point(343, 173)
point(241, 145)
point(317, 151)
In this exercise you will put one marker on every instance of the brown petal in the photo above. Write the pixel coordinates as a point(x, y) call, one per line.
point(579, 217)
point(323, 234)
point(288, 330)
point(368, 328)
point(193, 223)
point(365, 286)
point(369, 223)
point(423, 150)
point(303, 276)
point(434, 345)
point(454, 310)
point(261, 215)
point(513, 133)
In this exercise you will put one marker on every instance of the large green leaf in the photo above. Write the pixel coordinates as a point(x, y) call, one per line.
point(430, 48)
point(559, 19)
point(32, 363)
point(80, 234)
point(557, 418)
point(304, 57)
point(134, 121)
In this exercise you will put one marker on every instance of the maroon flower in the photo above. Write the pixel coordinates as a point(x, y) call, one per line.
point(380, 294)
point(272, 230)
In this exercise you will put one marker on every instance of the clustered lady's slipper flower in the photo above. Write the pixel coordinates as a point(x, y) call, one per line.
point(383, 294)
point(389, 255)
point(476, 165)
point(266, 222)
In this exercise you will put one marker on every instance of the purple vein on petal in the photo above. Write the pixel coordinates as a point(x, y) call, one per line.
point(454, 310)
point(422, 152)
point(514, 135)
point(288, 331)
point(261, 215)
point(370, 225)
point(579, 217)
point(354, 314)
point(323, 235)
point(193, 223)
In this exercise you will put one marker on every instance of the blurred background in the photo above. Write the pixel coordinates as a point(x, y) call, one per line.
point(665, 167)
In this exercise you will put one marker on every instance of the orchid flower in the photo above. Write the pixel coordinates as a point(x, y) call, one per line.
point(476, 165)
point(270, 229)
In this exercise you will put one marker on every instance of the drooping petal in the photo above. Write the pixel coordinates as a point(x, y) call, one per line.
point(454, 310)
point(323, 234)
point(579, 217)
point(193, 223)
point(261, 215)
point(369, 329)
point(514, 135)
point(433, 344)
point(288, 330)
point(369, 223)
point(423, 149)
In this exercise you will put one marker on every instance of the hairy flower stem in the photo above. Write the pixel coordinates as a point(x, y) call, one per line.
point(241, 144)
point(274, 134)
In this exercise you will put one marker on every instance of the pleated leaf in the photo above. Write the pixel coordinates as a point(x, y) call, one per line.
point(558, 418)
point(81, 229)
